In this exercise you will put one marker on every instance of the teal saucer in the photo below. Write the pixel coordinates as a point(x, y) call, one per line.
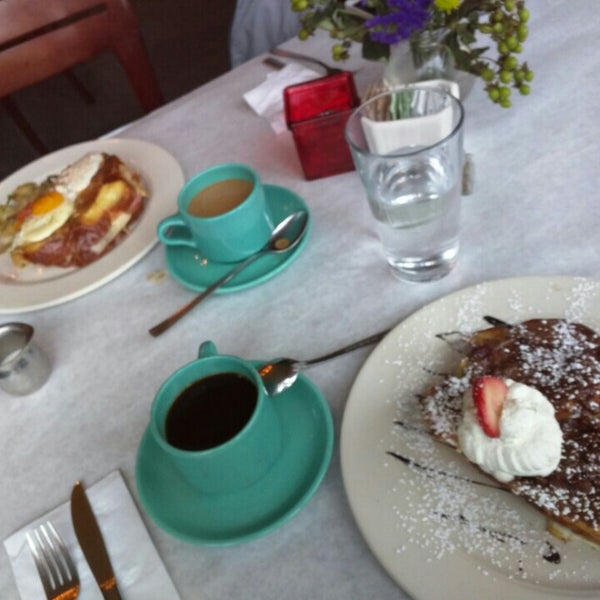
point(196, 272)
point(225, 519)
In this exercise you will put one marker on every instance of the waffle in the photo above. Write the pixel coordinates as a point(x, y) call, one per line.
point(561, 360)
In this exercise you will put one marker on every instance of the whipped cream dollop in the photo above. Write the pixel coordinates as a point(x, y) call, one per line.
point(530, 441)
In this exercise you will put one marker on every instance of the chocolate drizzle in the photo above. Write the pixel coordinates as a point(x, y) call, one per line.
point(495, 321)
point(549, 554)
point(432, 472)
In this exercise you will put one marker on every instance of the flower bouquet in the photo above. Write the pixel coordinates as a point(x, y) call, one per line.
point(484, 37)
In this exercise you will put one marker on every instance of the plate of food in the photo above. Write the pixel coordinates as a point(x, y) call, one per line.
point(525, 527)
point(77, 218)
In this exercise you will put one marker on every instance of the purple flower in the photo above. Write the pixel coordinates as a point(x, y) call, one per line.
point(404, 18)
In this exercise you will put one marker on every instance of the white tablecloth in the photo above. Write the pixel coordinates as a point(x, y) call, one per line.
point(534, 211)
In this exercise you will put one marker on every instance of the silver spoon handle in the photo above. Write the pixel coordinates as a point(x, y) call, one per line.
point(169, 321)
point(372, 339)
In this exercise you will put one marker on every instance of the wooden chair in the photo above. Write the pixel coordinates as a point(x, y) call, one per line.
point(42, 38)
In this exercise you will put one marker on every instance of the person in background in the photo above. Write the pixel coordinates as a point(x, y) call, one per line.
point(258, 26)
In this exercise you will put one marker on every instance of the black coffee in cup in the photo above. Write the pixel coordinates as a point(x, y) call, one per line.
point(210, 411)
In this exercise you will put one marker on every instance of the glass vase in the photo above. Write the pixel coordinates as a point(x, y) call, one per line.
point(432, 58)
point(424, 57)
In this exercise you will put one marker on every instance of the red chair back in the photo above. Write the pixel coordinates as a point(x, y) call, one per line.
point(41, 38)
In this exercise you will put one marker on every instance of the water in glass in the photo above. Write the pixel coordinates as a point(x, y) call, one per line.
point(416, 206)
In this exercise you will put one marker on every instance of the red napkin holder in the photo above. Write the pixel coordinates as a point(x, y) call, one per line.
point(316, 113)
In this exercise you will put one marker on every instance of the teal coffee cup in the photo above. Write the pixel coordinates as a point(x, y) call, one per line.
point(222, 213)
point(214, 421)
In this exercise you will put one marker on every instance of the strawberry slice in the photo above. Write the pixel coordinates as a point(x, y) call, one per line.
point(489, 394)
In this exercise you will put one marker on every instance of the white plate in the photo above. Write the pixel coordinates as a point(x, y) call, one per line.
point(442, 536)
point(35, 287)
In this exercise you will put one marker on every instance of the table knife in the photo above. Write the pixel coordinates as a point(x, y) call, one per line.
point(90, 539)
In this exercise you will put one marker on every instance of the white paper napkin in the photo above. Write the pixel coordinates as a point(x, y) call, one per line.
point(266, 99)
point(386, 136)
point(138, 568)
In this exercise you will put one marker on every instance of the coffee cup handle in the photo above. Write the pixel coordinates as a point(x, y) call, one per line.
point(173, 231)
point(207, 349)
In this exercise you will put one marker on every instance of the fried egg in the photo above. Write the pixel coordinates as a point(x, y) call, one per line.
point(76, 177)
point(42, 217)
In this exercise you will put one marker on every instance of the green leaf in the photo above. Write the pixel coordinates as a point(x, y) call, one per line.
point(467, 37)
point(374, 50)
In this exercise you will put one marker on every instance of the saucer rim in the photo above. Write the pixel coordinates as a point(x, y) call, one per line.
point(272, 191)
point(312, 399)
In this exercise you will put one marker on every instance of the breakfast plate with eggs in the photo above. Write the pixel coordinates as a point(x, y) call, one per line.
point(77, 218)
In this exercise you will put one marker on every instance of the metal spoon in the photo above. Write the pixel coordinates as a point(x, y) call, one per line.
point(285, 236)
point(281, 374)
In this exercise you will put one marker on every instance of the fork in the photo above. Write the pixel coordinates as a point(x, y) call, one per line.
point(53, 563)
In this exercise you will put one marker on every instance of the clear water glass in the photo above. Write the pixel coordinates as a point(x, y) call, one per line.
point(407, 145)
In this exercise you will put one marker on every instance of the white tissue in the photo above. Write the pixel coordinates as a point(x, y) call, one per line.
point(138, 568)
point(267, 99)
point(384, 137)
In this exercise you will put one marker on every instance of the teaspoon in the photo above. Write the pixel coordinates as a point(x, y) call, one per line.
point(286, 235)
point(281, 374)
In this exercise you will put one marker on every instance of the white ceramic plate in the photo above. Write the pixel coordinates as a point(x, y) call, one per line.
point(437, 533)
point(35, 287)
